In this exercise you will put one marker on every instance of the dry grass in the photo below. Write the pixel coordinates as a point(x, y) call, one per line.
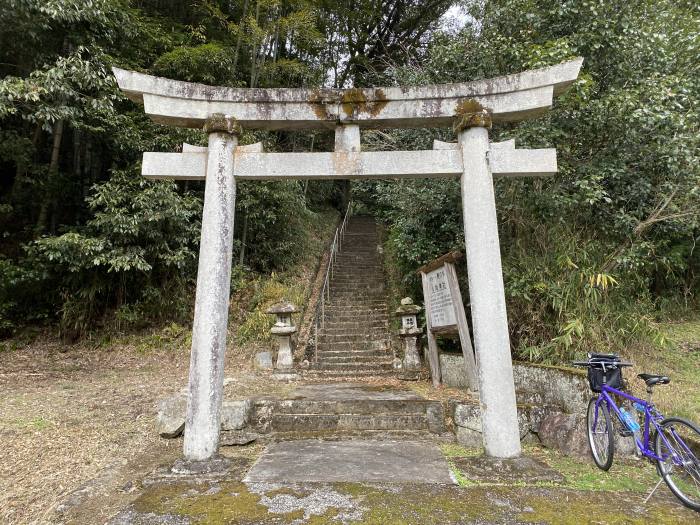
point(71, 414)
point(680, 361)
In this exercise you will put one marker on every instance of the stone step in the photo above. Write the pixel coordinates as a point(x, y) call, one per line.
point(311, 422)
point(355, 281)
point(346, 302)
point(384, 358)
point(372, 311)
point(350, 279)
point(356, 313)
point(369, 260)
point(334, 374)
point(359, 296)
point(336, 306)
point(322, 354)
point(368, 318)
point(354, 273)
point(326, 349)
point(356, 285)
point(338, 309)
point(350, 406)
point(351, 368)
point(344, 435)
point(357, 288)
point(366, 266)
point(358, 322)
point(346, 338)
point(358, 336)
point(374, 341)
point(348, 347)
point(355, 328)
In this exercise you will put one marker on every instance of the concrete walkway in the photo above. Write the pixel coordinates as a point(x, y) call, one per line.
point(351, 461)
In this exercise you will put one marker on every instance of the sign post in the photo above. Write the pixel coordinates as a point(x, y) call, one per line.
point(444, 314)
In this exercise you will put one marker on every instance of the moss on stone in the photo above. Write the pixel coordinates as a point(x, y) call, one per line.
point(560, 368)
point(355, 101)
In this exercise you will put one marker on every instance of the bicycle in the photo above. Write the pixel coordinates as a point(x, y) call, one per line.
point(676, 441)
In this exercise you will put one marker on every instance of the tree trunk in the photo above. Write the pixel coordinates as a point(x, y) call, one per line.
point(47, 202)
point(239, 37)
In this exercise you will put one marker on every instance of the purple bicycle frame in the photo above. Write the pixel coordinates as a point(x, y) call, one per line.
point(651, 416)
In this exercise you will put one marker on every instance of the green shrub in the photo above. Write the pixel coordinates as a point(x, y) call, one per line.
point(23, 296)
point(134, 260)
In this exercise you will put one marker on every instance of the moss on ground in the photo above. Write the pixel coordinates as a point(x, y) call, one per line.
point(626, 474)
point(229, 502)
point(413, 504)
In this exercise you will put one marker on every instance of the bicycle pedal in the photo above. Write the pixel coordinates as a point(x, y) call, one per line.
point(625, 433)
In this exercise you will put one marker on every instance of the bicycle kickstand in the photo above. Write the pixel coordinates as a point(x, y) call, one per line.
point(653, 490)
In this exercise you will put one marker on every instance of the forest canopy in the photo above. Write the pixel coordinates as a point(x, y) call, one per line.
point(593, 256)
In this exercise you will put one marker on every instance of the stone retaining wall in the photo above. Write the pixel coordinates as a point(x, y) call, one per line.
point(552, 403)
point(564, 387)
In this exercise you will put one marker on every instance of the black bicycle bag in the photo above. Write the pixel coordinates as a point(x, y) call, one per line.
point(613, 377)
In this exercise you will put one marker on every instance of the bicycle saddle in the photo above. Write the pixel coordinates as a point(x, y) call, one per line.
point(652, 379)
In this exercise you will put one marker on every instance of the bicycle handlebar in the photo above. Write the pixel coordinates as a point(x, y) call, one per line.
point(607, 363)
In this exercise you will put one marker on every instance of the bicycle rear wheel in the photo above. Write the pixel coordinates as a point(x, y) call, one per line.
point(677, 443)
point(600, 434)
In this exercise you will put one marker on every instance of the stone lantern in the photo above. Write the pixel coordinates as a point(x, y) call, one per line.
point(283, 329)
point(410, 333)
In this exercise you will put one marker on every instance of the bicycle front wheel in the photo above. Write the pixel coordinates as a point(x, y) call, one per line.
point(677, 443)
point(600, 434)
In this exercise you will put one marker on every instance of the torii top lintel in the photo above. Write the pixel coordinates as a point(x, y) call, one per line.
point(508, 98)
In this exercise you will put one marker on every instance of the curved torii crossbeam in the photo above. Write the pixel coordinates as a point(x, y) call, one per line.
point(508, 98)
point(469, 107)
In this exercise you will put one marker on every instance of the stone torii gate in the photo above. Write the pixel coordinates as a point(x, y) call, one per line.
point(470, 108)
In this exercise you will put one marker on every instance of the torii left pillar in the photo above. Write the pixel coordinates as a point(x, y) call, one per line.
point(206, 382)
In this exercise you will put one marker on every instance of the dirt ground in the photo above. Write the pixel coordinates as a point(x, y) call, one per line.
point(77, 430)
point(82, 417)
point(69, 416)
point(85, 414)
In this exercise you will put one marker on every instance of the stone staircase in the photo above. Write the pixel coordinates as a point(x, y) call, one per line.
point(345, 410)
point(355, 339)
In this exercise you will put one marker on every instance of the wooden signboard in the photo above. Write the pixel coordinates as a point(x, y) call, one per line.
point(444, 314)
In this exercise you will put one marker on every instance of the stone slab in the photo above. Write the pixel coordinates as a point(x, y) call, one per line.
point(351, 461)
point(496, 470)
point(352, 392)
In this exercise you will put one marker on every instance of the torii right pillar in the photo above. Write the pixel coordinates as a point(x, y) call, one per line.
point(499, 416)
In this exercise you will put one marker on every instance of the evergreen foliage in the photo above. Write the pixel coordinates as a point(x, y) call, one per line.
point(591, 256)
point(594, 254)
